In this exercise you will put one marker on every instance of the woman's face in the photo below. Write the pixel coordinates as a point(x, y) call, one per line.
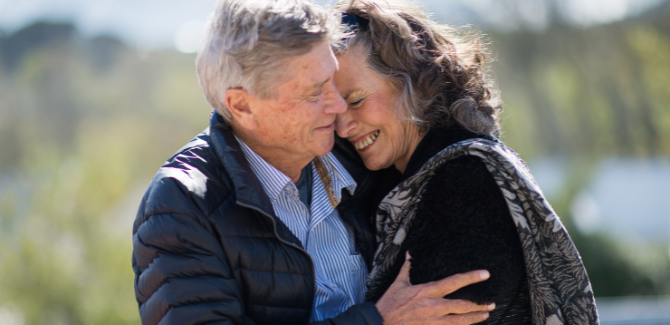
point(372, 123)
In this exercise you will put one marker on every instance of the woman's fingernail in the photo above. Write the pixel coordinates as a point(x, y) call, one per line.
point(492, 306)
point(485, 315)
point(484, 275)
point(407, 255)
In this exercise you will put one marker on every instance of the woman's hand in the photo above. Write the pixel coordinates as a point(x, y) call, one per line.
point(404, 303)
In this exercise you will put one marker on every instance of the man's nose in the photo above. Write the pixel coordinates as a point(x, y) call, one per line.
point(335, 103)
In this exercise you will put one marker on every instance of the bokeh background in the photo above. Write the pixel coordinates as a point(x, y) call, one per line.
point(95, 95)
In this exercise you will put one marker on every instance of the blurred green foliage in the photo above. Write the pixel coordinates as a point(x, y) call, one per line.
point(85, 123)
point(585, 94)
point(590, 92)
point(80, 134)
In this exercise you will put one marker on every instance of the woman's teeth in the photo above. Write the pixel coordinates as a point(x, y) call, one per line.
point(368, 141)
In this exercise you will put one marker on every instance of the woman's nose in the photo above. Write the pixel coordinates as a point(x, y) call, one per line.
point(345, 125)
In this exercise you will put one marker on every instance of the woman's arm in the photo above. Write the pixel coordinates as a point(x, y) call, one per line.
point(463, 223)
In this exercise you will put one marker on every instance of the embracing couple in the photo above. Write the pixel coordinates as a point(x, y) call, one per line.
point(415, 213)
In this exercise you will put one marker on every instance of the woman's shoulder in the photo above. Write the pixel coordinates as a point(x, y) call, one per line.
point(463, 192)
point(463, 174)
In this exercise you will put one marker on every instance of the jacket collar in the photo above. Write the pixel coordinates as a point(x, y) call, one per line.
point(247, 188)
point(435, 141)
point(249, 191)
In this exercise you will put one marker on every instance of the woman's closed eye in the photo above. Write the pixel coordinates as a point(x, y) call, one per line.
point(356, 102)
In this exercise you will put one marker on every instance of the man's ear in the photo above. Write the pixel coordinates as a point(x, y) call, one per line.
point(238, 102)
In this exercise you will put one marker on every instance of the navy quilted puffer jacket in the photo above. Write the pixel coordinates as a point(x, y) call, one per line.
point(208, 248)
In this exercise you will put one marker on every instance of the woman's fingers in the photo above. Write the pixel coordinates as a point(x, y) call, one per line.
point(452, 283)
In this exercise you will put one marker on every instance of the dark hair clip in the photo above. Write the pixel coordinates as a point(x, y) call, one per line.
point(352, 23)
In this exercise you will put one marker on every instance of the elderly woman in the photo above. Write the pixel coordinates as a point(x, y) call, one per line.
point(420, 99)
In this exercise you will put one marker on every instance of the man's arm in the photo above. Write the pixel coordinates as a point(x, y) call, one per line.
point(181, 275)
point(404, 303)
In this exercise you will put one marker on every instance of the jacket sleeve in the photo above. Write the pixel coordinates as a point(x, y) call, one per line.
point(362, 314)
point(181, 274)
point(463, 224)
point(181, 277)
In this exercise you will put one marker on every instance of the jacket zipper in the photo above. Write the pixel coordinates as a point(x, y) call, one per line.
point(274, 227)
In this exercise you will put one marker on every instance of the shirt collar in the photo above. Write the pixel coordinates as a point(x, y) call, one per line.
point(274, 181)
point(338, 175)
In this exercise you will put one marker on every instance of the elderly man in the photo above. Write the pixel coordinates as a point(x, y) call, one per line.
point(252, 222)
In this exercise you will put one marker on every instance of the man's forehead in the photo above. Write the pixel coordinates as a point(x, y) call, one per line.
point(316, 77)
point(314, 68)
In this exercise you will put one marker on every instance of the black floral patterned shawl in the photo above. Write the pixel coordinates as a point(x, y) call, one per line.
point(560, 290)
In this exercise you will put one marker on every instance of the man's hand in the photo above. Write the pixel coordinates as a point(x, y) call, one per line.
point(404, 303)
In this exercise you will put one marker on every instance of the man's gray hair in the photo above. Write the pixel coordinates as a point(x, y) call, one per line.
point(247, 42)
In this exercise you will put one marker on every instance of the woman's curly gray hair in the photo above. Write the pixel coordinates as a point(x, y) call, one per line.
point(441, 73)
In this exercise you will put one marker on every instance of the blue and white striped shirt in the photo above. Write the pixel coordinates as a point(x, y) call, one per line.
point(340, 271)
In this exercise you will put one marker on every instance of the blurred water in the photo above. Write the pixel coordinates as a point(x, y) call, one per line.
point(550, 174)
point(633, 198)
point(634, 310)
point(626, 197)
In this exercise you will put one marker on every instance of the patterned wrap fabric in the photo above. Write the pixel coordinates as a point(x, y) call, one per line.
point(560, 290)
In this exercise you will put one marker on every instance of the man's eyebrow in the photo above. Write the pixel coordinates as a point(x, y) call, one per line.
point(319, 84)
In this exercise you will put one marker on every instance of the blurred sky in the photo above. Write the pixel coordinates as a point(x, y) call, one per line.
point(150, 24)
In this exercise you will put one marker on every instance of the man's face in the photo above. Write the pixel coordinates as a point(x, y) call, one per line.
point(298, 124)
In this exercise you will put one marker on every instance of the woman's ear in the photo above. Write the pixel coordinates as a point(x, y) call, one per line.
point(237, 101)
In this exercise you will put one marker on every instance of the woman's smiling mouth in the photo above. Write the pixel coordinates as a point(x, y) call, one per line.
point(362, 144)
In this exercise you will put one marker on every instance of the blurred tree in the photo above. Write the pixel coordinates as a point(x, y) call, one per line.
point(84, 124)
point(14, 47)
point(593, 92)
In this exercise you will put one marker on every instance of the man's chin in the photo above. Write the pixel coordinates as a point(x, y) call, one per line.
point(325, 146)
